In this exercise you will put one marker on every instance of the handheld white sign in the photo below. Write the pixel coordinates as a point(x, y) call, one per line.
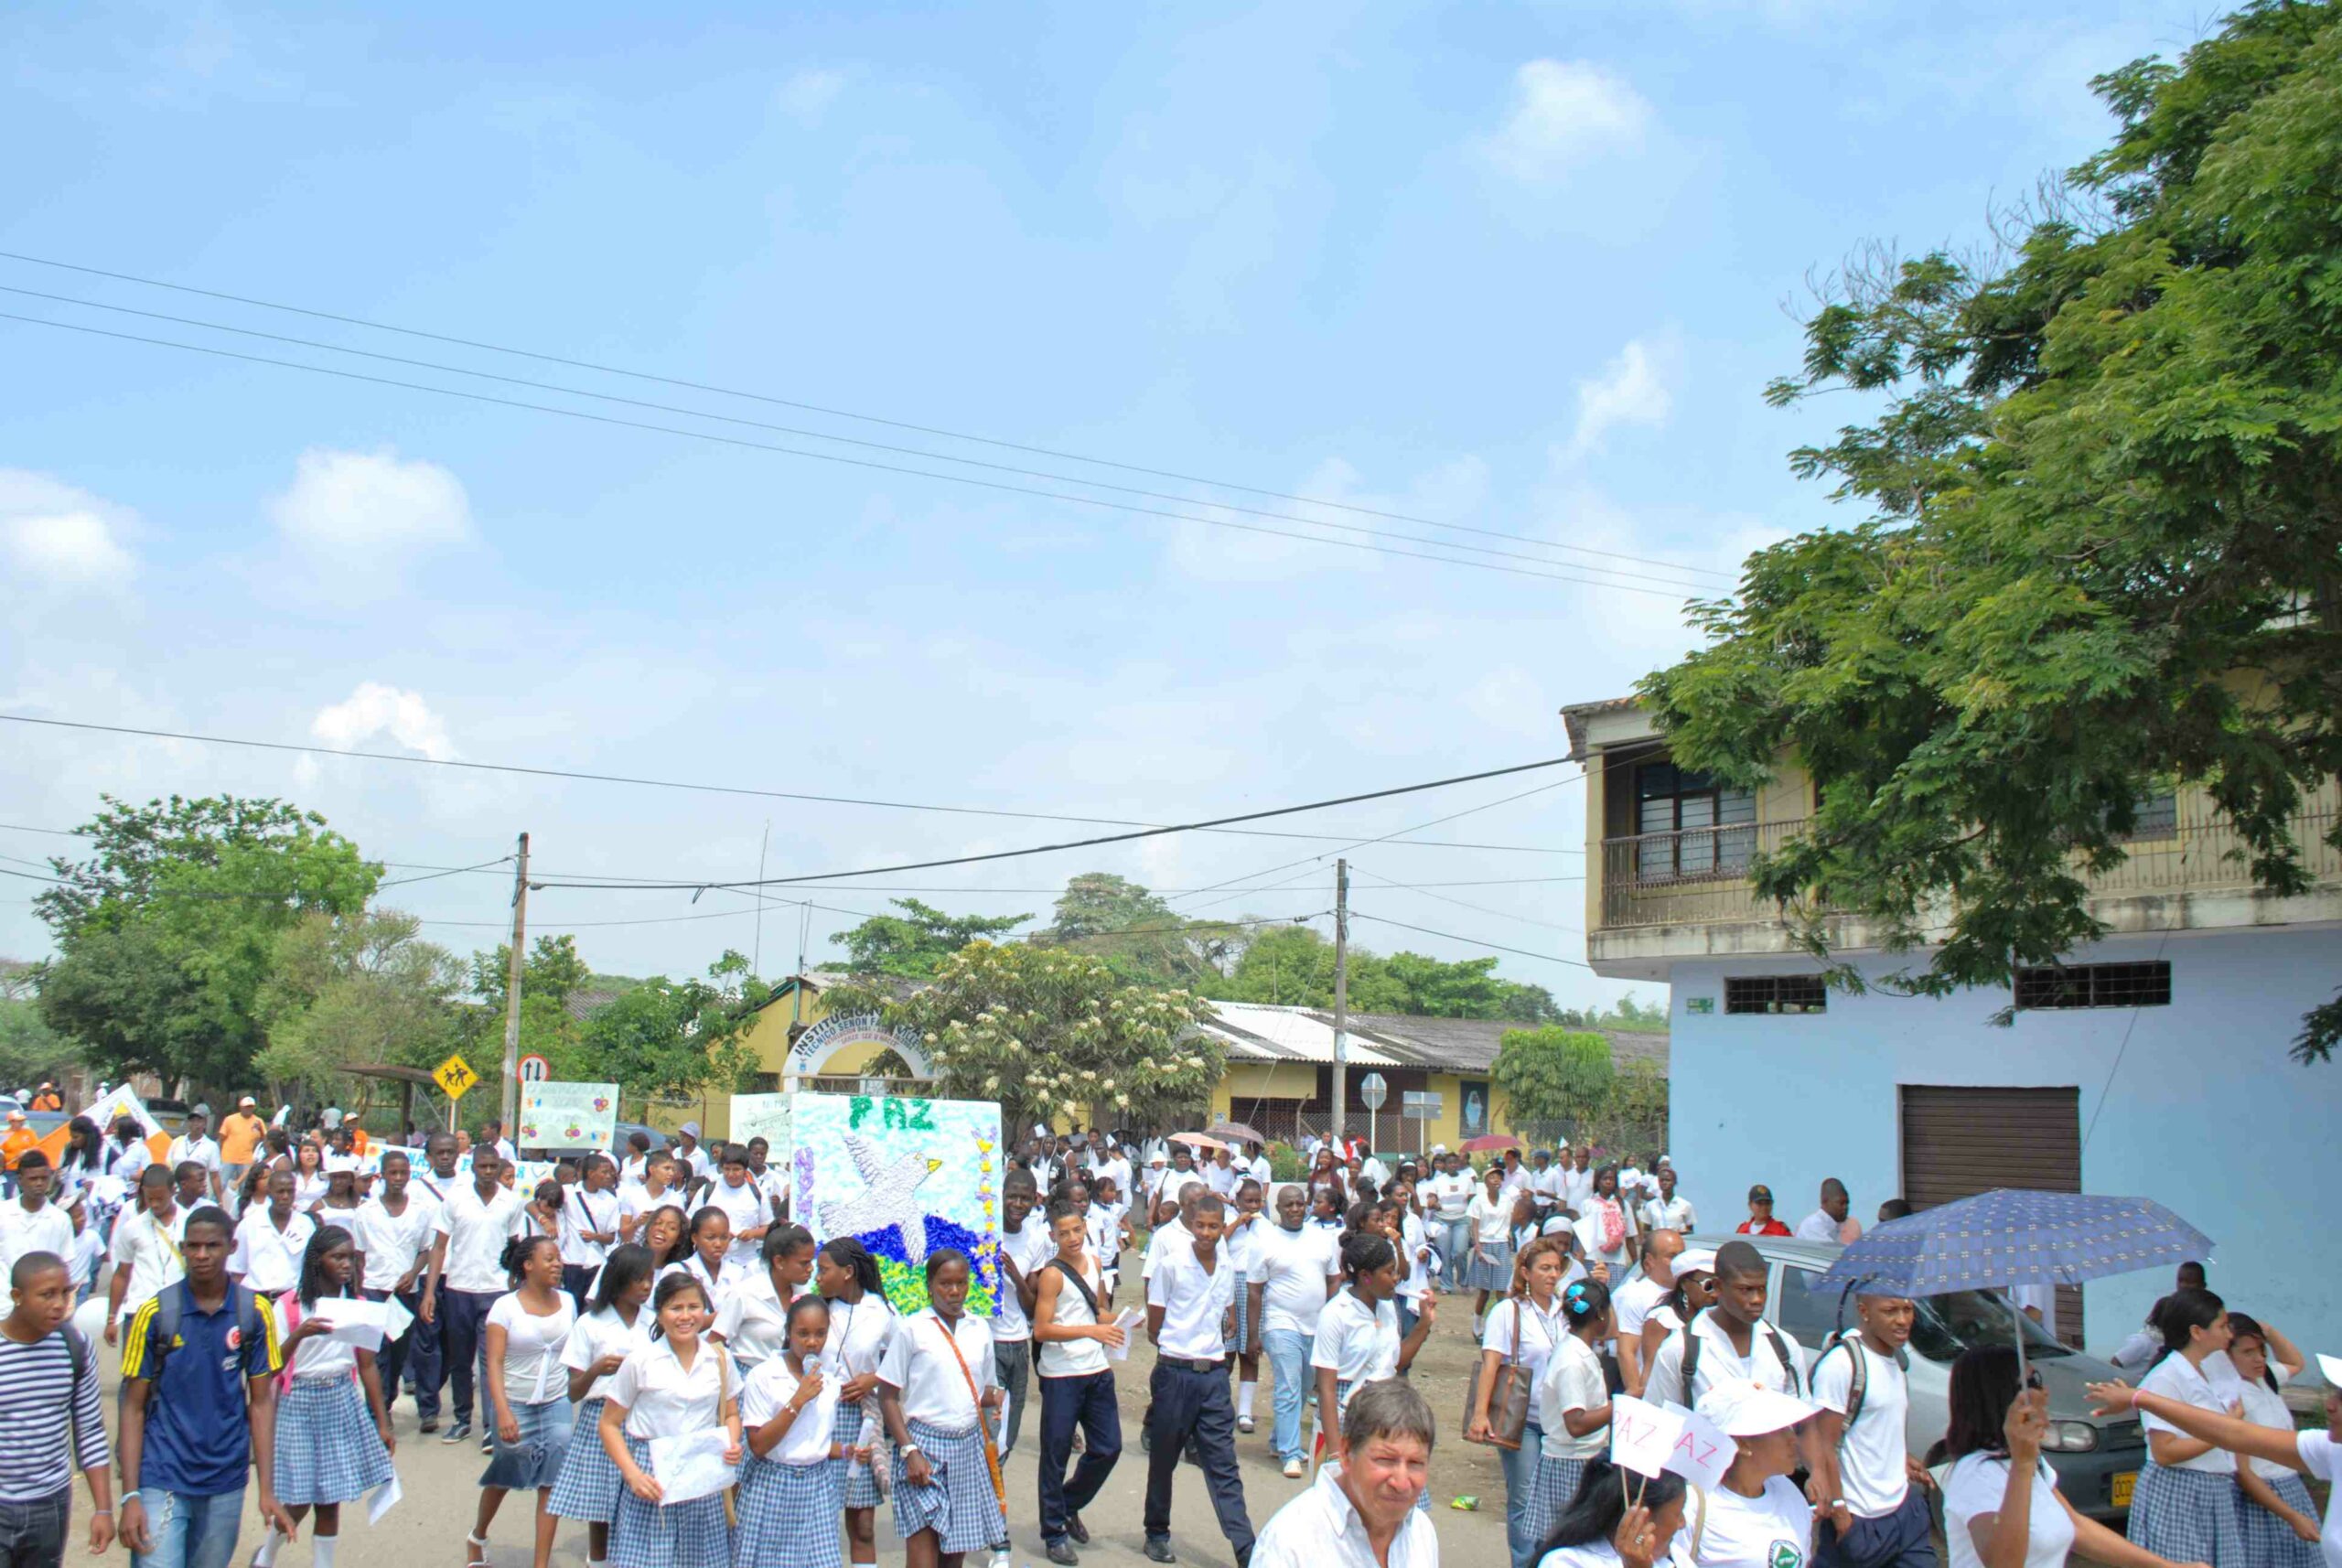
point(2332, 1367)
point(1642, 1437)
point(1702, 1453)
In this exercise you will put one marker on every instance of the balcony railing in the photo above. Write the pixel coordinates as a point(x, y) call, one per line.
point(1700, 878)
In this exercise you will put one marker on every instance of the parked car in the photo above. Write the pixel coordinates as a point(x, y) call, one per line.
point(2097, 1459)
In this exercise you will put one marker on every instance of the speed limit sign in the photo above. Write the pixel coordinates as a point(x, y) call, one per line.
point(536, 1069)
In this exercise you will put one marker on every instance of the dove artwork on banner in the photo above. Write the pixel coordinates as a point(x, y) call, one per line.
point(907, 1177)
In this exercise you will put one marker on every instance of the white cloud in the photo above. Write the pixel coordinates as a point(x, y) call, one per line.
point(808, 95)
point(1564, 113)
point(61, 537)
point(375, 709)
point(1627, 391)
point(369, 512)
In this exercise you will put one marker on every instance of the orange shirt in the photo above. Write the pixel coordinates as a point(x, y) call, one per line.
point(21, 1140)
point(238, 1135)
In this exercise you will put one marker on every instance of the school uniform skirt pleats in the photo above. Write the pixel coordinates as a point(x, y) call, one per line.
point(1493, 1273)
point(2269, 1541)
point(861, 1480)
point(327, 1450)
point(536, 1459)
point(1550, 1492)
point(788, 1515)
point(590, 1484)
point(680, 1535)
point(2189, 1516)
point(958, 1503)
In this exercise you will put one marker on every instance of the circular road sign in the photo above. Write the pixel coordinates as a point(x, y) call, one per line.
point(536, 1069)
point(1374, 1089)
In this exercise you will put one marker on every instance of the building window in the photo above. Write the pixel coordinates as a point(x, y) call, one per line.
point(1688, 825)
point(2095, 985)
point(2155, 815)
point(1776, 994)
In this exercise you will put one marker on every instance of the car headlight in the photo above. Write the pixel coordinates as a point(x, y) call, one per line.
point(2070, 1438)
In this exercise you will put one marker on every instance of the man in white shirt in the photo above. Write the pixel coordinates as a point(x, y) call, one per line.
point(1868, 1491)
point(693, 1164)
point(468, 1274)
point(1730, 1340)
point(1190, 1312)
point(1025, 1247)
point(1828, 1223)
point(146, 1249)
point(1448, 1196)
point(195, 1145)
point(1667, 1211)
point(1577, 1182)
point(1632, 1301)
point(1257, 1167)
point(1108, 1165)
point(394, 1231)
point(1296, 1268)
point(1361, 1513)
point(1544, 1184)
point(1222, 1176)
point(28, 1221)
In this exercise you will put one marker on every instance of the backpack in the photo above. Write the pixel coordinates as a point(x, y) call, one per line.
point(163, 1329)
point(1858, 1368)
point(1781, 1353)
point(77, 1350)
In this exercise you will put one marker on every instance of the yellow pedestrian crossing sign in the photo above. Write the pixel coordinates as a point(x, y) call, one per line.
point(455, 1076)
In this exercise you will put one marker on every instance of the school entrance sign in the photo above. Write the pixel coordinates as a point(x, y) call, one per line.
point(825, 1039)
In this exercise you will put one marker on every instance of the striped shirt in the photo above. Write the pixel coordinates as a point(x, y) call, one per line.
point(36, 1384)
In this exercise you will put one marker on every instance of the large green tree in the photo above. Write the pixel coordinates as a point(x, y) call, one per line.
point(168, 929)
point(915, 943)
point(357, 992)
point(2103, 546)
point(1552, 1074)
point(1294, 965)
point(1136, 934)
point(671, 1039)
point(30, 1051)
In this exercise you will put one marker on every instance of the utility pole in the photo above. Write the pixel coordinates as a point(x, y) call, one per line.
point(512, 991)
point(757, 956)
point(1341, 992)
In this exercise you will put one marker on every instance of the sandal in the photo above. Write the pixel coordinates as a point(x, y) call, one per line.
point(483, 1560)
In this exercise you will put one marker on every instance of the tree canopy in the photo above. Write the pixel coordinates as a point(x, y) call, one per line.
point(1294, 965)
point(916, 942)
point(2102, 546)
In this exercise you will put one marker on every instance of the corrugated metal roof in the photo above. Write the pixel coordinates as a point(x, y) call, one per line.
point(1258, 1032)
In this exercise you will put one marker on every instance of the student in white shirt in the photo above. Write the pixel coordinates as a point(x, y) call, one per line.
point(790, 1493)
point(1633, 1301)
point(1362, 1512)
point(2313, 1453)
point(1602, 1529)
point(146, 1249)
point(1667, 1211)
point(1416, 1279)
point(1573, 1404)
point(1693, 1292)
point(747, 1210)
point(1242, 1245)
point(676, 1385)
point(1025, 1246)
point(1870, 1494)
point(653, 1191)
point(29, 1222)
point(394, 1229)
point(862, 1324)
point(333, 1425)
point(1077, 1381)
point(1757, 1518)
point(476, 1219)
point(1487, 1261)
point(1732, 1339)
point(752, 1320)
point(2280, 1516)
point(195, 1145)
point(2186, 1506)
point(935, 1390)
point(1357, 1339)
point(1525, 1329)
point(1299, 1268)
point(1190, 1310)
point(310, 1182)
point(1449, 1197)
point(617, 1324)
point(1577, 1182)
point(527, 1390)
point(589, 1224)
point(1605, 1232)
point(270, 1240)
point(711, 1260)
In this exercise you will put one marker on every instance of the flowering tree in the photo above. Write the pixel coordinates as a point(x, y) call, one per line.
point(1054, 1036)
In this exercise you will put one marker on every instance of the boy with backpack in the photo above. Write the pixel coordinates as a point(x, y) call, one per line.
point(49, 1388)
point(198, 1404)
point(1864, 1485)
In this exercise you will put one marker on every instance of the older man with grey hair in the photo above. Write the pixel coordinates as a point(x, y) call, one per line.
point(1361, 1508)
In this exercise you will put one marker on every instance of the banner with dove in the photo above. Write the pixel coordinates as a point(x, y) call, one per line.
point(904, 1176)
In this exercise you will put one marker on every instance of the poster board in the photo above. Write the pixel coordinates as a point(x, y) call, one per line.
point(763, 1116)
point(904, 1176)
point(567, 1116)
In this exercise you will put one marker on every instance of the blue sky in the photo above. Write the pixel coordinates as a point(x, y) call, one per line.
point(1514, 267)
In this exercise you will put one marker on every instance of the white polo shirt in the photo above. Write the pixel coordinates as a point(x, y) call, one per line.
point(1719, 1361)
point(392, 1243)
point(268, 1259)
point(934, 1385)
point(746, 1207)
point(477, 1231)
point(603, 1333)
point(1572, 1379)
point(1028, 1248)
point(752, 1320)
point(1358, 1343)
point(581, 1211)
point(2174, 1380)
point(149, 1252)
point(662, 1399)
point(1194, 1302)
point(1672, 1214)
point(204, 1151)
point(766, 1393)
point(1293, 1267)
point(1453, 1193)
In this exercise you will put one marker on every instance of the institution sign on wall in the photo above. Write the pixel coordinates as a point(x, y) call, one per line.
point(825, 1039)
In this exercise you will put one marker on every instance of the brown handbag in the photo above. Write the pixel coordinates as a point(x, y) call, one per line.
point(1508, 1394)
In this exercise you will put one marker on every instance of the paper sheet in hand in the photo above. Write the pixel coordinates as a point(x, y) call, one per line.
point(355, 1320)
point(1128, 1321)
point(691, 1465)
point(381, 1501)
point(1642, 1437)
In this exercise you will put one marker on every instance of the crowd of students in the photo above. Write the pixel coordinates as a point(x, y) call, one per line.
point(627, 1307)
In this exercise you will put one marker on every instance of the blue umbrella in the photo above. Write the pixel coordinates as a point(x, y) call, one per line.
point(2006, 1238)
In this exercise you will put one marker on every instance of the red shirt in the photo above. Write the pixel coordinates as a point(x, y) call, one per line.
point(1770, 1227)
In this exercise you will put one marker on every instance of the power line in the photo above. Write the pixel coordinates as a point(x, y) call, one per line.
point(677, 784)
point(826, 412)
point(841, 458)
point(1468, 942)
point(1675, 582)
point(1475, 908)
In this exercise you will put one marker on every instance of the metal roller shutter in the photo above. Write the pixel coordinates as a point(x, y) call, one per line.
point(1959, 1141)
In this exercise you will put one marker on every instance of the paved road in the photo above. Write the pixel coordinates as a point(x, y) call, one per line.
point(426, 1530)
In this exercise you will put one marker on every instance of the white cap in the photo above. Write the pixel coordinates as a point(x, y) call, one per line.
point(1439, 1148)
point(1562, 1143)
point(690, 1129)
point(1664, 1160)
point(1742, 1407)
point(1693, 1260)
point(247, 1100)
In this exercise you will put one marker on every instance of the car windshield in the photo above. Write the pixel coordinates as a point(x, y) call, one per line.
point(1944, 1326)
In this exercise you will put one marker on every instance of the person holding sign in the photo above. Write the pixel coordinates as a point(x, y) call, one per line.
point(599, 1342)
point(677, 1385)
point(1757, 1518)
point(1573, 1404)
point(1615, 1521)
point(1870, 1492)
point(329, 1451)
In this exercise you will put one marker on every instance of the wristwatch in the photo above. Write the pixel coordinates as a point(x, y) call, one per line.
point(910, 1448)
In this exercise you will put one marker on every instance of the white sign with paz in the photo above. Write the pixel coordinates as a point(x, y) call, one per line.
point(1642, 1435)
point(1703, 1453)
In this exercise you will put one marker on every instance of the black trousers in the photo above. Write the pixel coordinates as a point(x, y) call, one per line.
point(1191, 1401)
point(463, 1319)
point(1087, 1401)
point(574, 1278)
point(393, 1359)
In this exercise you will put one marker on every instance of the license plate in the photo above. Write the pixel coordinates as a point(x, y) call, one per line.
point(2123, 1483)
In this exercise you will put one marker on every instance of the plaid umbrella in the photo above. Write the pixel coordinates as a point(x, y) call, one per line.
point(2006, 1238)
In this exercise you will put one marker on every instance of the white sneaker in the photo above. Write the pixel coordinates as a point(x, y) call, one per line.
point(1293, 1469)
point(1000, 1559)
point(1244, 1423)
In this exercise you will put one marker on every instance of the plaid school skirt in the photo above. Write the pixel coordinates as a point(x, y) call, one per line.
point(788, 1515)
point(651, 1535)
point(1550, 1493)
point(2269, 1541)
point(958, 1503)
point(589, 1483)
point(2190, 1516)
point(861, 1480)
point(327, 1450)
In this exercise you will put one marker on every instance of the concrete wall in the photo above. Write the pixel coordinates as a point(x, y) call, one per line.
point(2203, 1110)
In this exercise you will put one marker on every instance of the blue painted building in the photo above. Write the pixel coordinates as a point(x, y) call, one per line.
point(2153, 1063)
